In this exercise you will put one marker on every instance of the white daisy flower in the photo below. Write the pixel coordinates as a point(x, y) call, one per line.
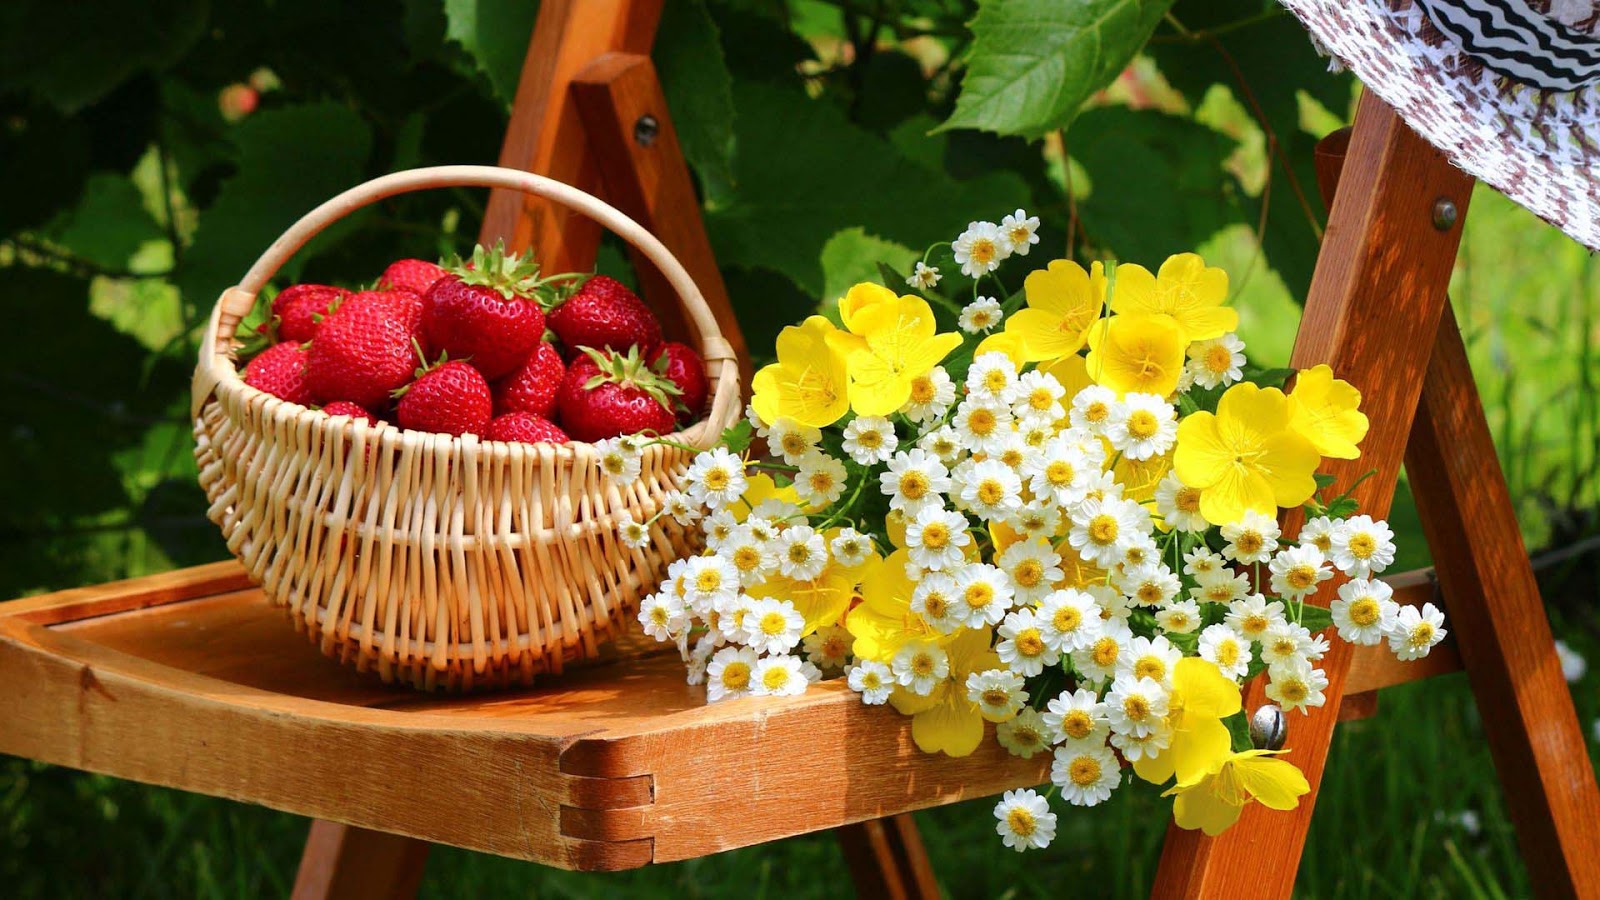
point(619, 461)
point(1101, 528)
point(755, 560)
point(1179, 617)
point(1033, 567)
point(1086, 771)
point(1414, 632)
point(1149, 746)
point(981, 425)
point(1221, 586)
point(718, 528)
point(735, 617)
point(679, 507)
point(779, 676)
point(914, 481)
point(1038, 519)
point(1296, 571)
point(1139, 551)
point(802, 553)
point(663, 616)
point(1151, 584)
point(773, 626)
point(755, 420)
point(1025, 820)
point(920, 666)
point(1019, 229)
point(707, 579)
point(1364, 611)
point(932, 395)
point(1059, 471)
point(632, 532)
point(1111, 602)
point(936, 539)
point(821, 479)
point(1135, 706)
point(730, 673)
point(923, 276)
point(982, 314)
point(1023, 735)
point(1152, 658)
point(991, 490)
point(999, 694)
point(1185, 380)
point(1069, 620)
point(980, 249)
point(1201, 563)
point(1098, 661)
point(1573, 665)
point(1318, 533)
point(700, 658)
point(1036, 398)
point(1224, 647)
point(1253, 615)
point(1296, 685)
point(1217, 362)
point(992, 377)
point(1363, 546)
point(1093, 408)
point(983, 594)
point(1077, 716)
point(1013, 452)
point(870, 439)
point(828, 647)
point(1285, 643)
point(1179, 505)
point(872, 680)
point(944, 443)
point(851, 548)
point(1143, 426)
point(1022, 647)
point(1102, 486)
point(1252, 539)
point(937, 600)
point(791, 440)
point(716, 478)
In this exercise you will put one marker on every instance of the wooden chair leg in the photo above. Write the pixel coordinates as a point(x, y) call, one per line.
point(342, 862)
point(887, 859)
point(1500, 629)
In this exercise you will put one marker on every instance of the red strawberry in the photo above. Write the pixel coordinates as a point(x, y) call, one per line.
point(415, 275)
point(532, 387)
point(353, 410)
point(679, 364)
point(280, 370)
point(486, 312)
point(525, 428)
point(365, 349)
point(605, 314)
point(298, 310)
point(450, 398)
point(606, 394)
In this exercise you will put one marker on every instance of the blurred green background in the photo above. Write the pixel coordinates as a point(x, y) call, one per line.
point(148, 153)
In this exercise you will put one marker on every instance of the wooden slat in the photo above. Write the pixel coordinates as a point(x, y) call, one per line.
point(345, 863)
point(887, 859)
point(1372, 312)
point(1500, 627)
point(133, 593)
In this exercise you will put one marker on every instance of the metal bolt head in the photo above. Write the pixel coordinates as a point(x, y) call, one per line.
point(1444, 213)
point(1268, 728)
point(646, 129)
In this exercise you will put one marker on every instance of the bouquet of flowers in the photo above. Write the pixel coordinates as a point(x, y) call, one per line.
point(1054, 510)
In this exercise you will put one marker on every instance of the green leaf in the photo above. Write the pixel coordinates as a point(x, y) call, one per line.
point(1033, 63)
point(1238, 731)
point(1314, 618)
point(699, 91)
point(737, 436)
point(71, 55)
point(109, 223)
point(1267, 377)
point(852, 256)
point(1323, 479)
point(495, 33)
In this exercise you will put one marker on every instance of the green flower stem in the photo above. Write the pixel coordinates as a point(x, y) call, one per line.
point(843, 511)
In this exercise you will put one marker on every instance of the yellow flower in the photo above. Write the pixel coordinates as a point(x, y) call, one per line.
point(820, 601)
point(809, 381)
point(1201, 698)
point(896, 343)
point(883, 622)
point(1007, 342)
point(1077, 573)
point(1063, 301)
point(1139, 477)
point(860, 297)
point(1326, 411)
point(1071, 371)
point(1137, 353)
point(1213, 802)
point(760, 488)
point(1245, 456)
point(945, 721)
point(1185, 288)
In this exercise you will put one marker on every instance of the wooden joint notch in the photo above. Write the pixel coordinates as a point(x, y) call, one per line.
point(607, 822)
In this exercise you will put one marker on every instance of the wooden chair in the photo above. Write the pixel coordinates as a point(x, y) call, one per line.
point(188, 679)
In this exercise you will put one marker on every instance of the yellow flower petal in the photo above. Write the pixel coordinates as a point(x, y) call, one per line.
point(1276, 783)
point(897, 344)
point(1007, 342)
point(953, 726)
point(1245, 456)
point(1203, 810)
point(860, 297)
point(1326, 412)
point(1205, 690)
point(883, 622)
point(821, 600)
point(1137, 353)
point(1071, 371)
point(809, 383)
point(1186, 289)
point(1063, 302)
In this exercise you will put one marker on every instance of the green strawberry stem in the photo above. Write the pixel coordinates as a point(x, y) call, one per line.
point(629, 369)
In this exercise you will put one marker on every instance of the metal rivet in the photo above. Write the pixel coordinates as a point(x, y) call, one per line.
point(1268, 728)
point(1444, 213)
point(646, 129)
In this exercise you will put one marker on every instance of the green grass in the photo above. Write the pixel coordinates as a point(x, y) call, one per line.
point(1396, 799)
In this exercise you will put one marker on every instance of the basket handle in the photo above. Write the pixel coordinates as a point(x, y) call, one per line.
point(236, 302)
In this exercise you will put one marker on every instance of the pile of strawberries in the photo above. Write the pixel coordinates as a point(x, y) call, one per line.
point(484, 346)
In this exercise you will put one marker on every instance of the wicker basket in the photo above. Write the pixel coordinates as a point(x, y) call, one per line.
point(437, 560)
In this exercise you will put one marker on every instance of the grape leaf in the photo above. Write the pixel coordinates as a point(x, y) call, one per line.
point(852, 256)
point(73, 54)
point(699, 91)
point(495, 33)
point(109, 223)
point(1033, 63)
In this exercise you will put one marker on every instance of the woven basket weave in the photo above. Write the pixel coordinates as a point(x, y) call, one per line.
point(438, 560)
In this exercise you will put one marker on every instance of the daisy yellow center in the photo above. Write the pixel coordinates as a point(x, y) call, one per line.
point(1254, 624)
point(982, 422)
point(1029, 643)
point(799, 554)
point(982, 251)
point(1084, 771)
point(835, 647)
point(1106, 651)
point(1096, 412)
point(995, 380)
point(1323, 542)
point(1187, 499)
point(1011, 457)
point(1021, 822)
point(996, 697)
point(871, 681)
point(775, 678)
point(922, 665)
point(1362, 545)
point(773, 623)
point(1151, 667)
point(936, 606)
point(1221, 592)
point(1028, 573)
point(944, 447)
point(922, 389)
point(1136, 707)
point(991, 491)
point(935, 535)
point(1134, 556)
point(1103, 529)
point(821, 482)
point(1365, 612)
point(1293, 690)
point(1301, 577)
point(1026, 736)
point(1219, 359)
point(1035, 437)
point(1067, 619)
point(1142, 424)
point(1041, 399)
point(981, 318)
point(721, 532)
point(1059, 473)
point(1421, 635)
point(1248, 542)
point(793, 444)
point(1151, 593)
point(660, 615)
point(1177, 619)
point(1077, 724)
point(708, 581)
point(613, 464)
point(1031, 521)
point(978, 595)
point(1019, 235)
point(1285, 646)
point(736, 676)
point(870, 439)
point(913, 484)
point(717, 479)
point(1227, 654)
